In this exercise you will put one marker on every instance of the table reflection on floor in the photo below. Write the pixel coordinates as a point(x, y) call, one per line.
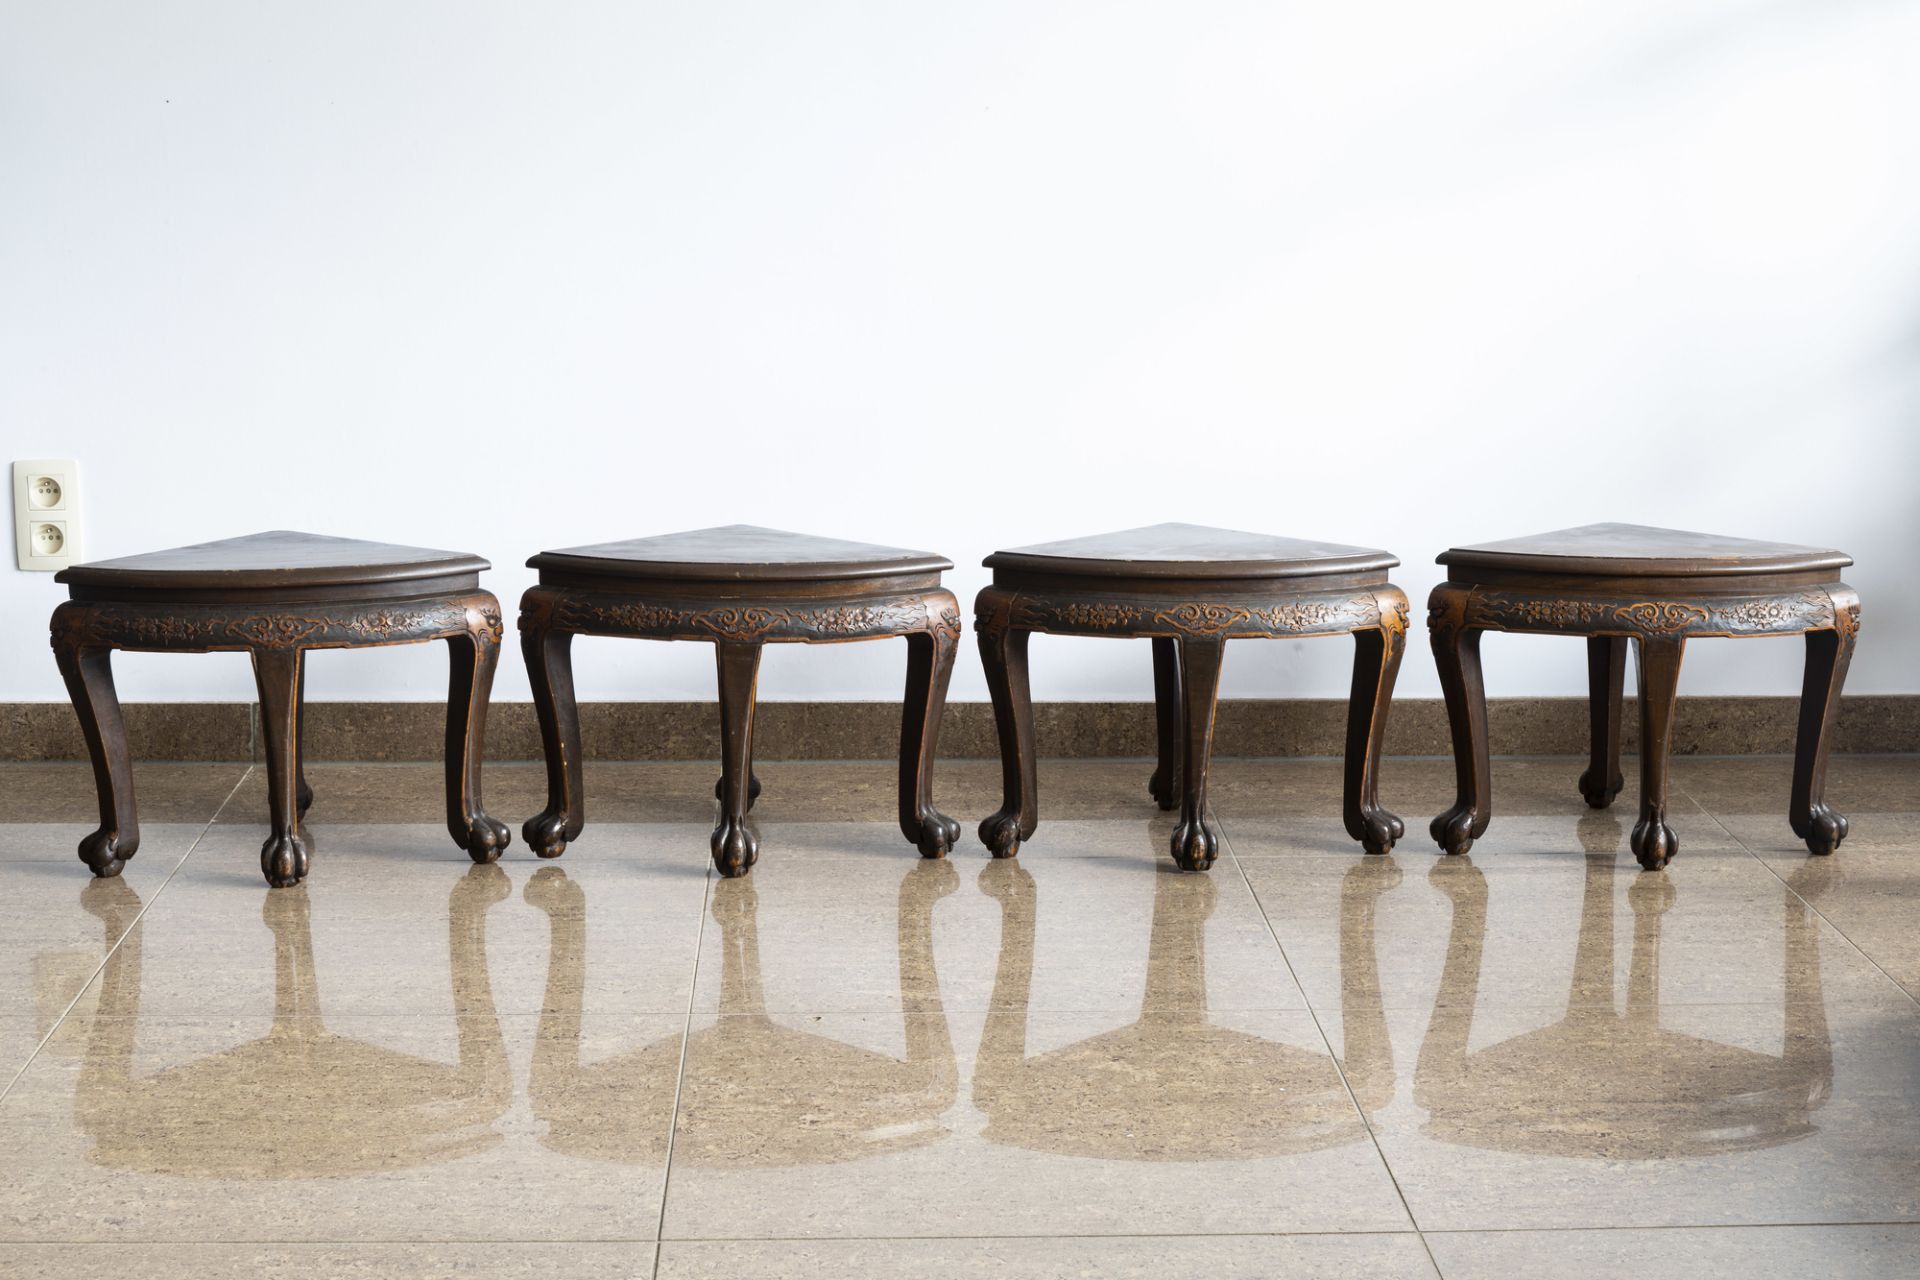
point(300, 1101)
point(1609, 1082)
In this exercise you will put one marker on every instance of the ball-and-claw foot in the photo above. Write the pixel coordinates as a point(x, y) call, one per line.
point(284, 860)
point(735, 848)
point(1654, 843)
point(1453, 830)
point(545, 833)
point(1195, 845)
point(486, 838)
point(1163, 790)
point(1599, 796)
point(1825, 830)
point(1378, 831)
point(106, 854)
point(303, 796)
point(1001, 834)
point(937, 836)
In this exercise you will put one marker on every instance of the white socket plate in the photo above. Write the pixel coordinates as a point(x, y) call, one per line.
point(46, 513)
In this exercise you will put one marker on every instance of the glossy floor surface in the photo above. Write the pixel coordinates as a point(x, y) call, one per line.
point(1534, 1061)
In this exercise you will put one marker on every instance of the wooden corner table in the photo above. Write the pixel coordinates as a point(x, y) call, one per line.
point(738, 587)
point(1615, 583)
point(274, 596)
point(1191, 589)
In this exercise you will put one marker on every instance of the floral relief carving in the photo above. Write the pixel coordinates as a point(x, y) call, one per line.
point(1661, 617)
point(208, 627)
point(747, 623)
point(1091, 614)
point(1543, 613)
point(741, 622)
point(1202, 619)
point(1314, 615)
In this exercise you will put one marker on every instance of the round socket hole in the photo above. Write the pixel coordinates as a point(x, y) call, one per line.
point(43, 492)
point(48, 539)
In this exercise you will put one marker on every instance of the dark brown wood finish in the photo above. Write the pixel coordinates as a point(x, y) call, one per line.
point(739, 587)
point(1190, 589)
point(1655, 588)
point(275, 596)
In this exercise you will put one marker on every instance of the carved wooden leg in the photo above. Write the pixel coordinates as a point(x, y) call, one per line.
point(1828, 653)
point(1196, 841)
point(1165, 784)
point(1003, 652)
point(1606, 679)
point(1658, 663)
point(302, 792)
point(753, 788)
point(89, 675)
point(1456, 652)
point(276, 672)
point(471, 659)
point(1376, 663)
point(549, 657)
point(929, 669)
point(734, 847)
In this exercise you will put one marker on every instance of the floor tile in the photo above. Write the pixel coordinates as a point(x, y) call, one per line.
point(64, 791)
point(287, 1127)
point(58, 922)
point(396, 919)
point(1753, 1253)
point(492, 1261)
point(1869, 889)
point(1508, 1118)
point(1554, 931)
point(1010, 1123)
point(841, 918)
point(1361, 1257)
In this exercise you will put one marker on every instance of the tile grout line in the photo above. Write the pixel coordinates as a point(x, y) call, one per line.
point(680, 1074)
point(1332, 1057)
point(145, 907)
point(428, 1242)
point(1815, 908)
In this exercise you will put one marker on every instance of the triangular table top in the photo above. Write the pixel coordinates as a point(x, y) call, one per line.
point(1191, 551)
point(280, 558)
point(740, 552)
point(1636, 551)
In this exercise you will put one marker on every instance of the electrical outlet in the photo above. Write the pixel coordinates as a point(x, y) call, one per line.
point(46, 513)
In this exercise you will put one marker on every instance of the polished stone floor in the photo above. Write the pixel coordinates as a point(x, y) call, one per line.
point(1536, 1061)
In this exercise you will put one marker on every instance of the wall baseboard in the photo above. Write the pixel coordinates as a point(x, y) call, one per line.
point(376, 731)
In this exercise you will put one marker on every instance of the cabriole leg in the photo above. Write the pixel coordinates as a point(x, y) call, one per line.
point(1376, 663)
point(1165, 783)
point(733, 844)
point(1828, 653)
point(549, 657)
point(929, 669)
point(1658, 664)
point(1003, 652)
point(88, 672)
point(1196, 841)
point(1606, 680)
point(1456, 652)
point(471, 660)
point(276, 672)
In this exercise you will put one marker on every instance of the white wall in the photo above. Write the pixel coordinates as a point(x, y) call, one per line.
point(961, 276)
